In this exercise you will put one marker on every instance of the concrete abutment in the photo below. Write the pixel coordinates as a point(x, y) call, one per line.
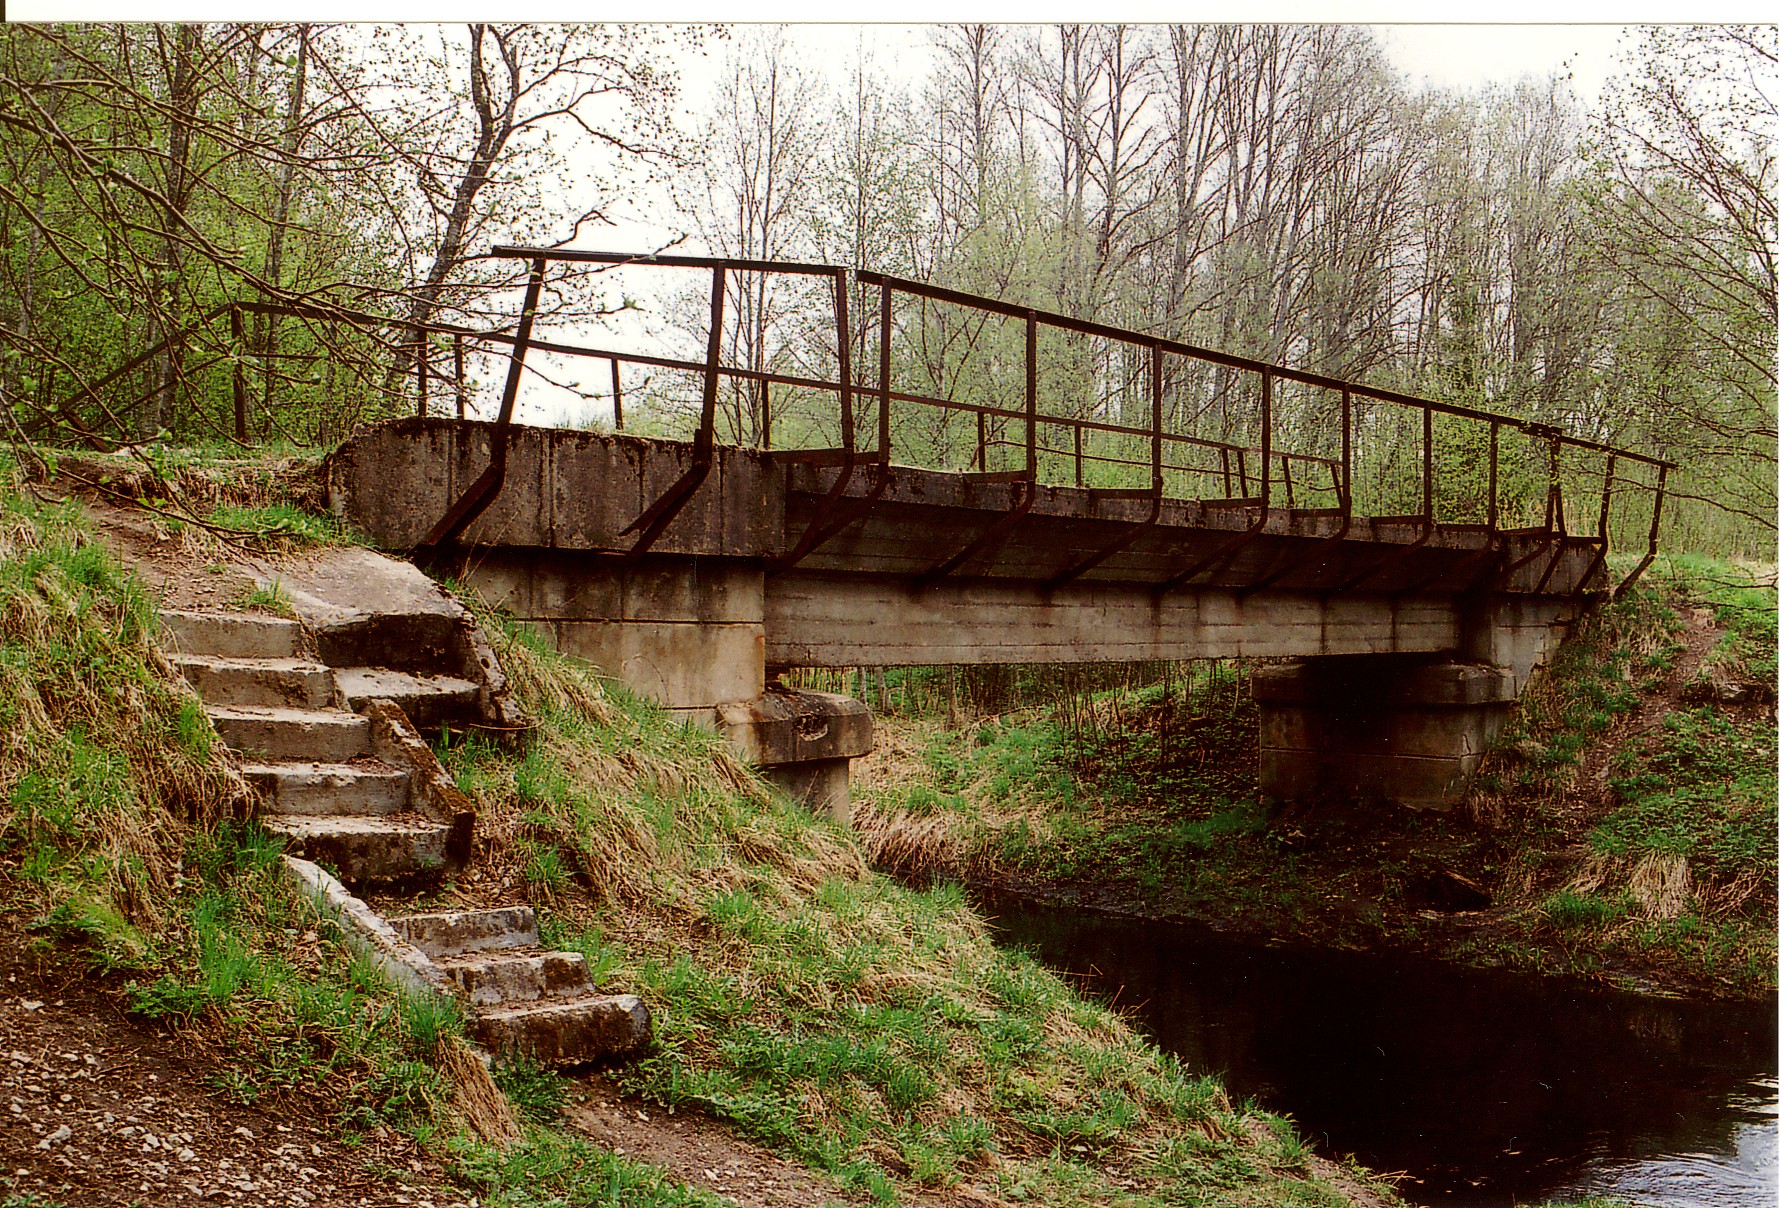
point(1410, 730)
point(690, 634)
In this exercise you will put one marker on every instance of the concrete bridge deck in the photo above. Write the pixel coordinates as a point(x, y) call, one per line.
point(890, 587)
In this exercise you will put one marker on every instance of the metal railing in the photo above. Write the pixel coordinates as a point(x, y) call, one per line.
point(1254, 477)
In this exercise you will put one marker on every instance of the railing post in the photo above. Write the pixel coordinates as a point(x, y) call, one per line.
point(420, 371)
point(1347, 452)
point(1078, 453)
point(884, 375)
point(706, 439)
point(766, 414)
point(843, 340)
point(1155, 423)
point(528, 311)
point(1266, 438)
point(1032, 395)
point(457, 370)
point(1554, 506)
point(1607, 495)
point(1427, 465)
point(1495, 507)
point(237, 338)
point(617, 398)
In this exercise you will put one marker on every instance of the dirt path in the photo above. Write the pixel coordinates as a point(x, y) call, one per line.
point(1700, 635)
point(98, 1108)
point(695, 1149)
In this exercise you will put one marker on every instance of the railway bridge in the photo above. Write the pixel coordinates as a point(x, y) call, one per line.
point(1080, 493)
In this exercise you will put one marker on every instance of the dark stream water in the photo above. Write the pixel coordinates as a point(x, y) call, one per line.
point(1486, 1087)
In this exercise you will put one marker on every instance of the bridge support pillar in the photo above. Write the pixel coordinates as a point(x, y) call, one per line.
point(1396, 729)
point(804, 742)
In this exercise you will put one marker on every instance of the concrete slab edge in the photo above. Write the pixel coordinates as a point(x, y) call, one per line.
point(431, 792)
point(365, 931)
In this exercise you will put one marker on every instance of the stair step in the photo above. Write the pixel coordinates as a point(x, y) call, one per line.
point(329, 788)
point(567, 1032)
point(492, 978)
point(323, 735)
point(449, 933)
point(294, 683)
point(394, 848)
point(426, 699)
point(231, 635)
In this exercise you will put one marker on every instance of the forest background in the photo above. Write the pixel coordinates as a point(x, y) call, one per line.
point(1279, 192)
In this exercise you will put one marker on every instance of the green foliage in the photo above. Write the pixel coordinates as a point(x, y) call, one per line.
point(282, 526)
point(536, 1092)
point(270, 597)
point(1568, 909)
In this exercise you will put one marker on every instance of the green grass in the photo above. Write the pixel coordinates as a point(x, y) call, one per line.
point(548, 1169)
point(283, 526)
point(270, 597)
point(868, 1028)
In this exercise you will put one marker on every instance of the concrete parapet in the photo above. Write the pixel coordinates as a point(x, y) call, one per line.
point(1407, 731)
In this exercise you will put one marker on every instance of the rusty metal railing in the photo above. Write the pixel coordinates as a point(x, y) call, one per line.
point(1254, 476)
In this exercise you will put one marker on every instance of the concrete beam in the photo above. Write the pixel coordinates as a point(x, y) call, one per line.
point(833, 621)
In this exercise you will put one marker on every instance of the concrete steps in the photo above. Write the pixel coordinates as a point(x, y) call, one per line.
point(274, 732)
point(396, 847)
point(428, 700)
point(368, 788)
point(231, 635)
point(344, 788)
point(287, 682)
point(524, 999)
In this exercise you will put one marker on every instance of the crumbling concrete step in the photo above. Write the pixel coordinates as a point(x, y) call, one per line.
point(293, 683)
point(567, 1032)
point(395, 848)
point(324, 735)
point(428, 700)
point(329, 788)
point(231, 635)
point(449, 933)
point(491, 978)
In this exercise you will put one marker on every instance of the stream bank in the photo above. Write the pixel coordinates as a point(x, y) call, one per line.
point(1621, 835)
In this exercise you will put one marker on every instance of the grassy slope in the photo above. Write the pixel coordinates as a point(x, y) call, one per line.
point(1639, 856)
point(870, 1028)
point(123, 848)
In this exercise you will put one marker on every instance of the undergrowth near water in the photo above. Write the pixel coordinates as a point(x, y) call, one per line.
point(869, 1028)
point(1624, 828)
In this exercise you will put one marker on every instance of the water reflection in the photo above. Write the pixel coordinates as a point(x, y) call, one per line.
point(1487, 1087)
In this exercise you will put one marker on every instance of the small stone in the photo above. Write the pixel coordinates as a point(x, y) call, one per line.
point(61, 1134)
